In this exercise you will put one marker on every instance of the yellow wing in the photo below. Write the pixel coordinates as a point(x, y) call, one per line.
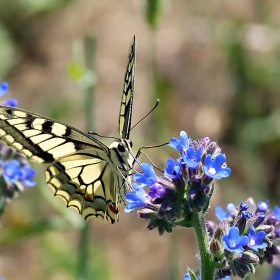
point(87, 181)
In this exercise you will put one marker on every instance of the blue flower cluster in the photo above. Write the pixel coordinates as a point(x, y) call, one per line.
point(15, 172)
point(186, 185)
point(246, 236)
point(4, 89)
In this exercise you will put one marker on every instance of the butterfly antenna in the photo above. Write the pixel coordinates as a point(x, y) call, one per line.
point(157, 103)
point(102, 136)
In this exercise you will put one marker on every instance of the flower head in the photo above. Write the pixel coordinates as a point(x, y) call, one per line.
point(136, 199)
point(233, 242)
point(181, 144)
point(4, 88)
point(256, 239)
point(149, 176)
point(276, 212)
point(173, 169)
point(192, 158)
point(215, 168)
point(221, 214)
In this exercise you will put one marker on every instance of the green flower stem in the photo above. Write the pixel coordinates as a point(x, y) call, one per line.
point(207, 262)
point(83, 253)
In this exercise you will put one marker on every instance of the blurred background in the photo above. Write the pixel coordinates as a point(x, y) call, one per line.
point(215, 67)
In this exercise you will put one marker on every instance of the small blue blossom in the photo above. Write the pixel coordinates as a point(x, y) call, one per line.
point(4, 88)
point(27, 173)
point(276, 212)
point(11, 171)
point(263, 206)
point(181, 144)
point(233, 242)
point(256, 239)
point(221, 214)
point(188, 277)
point(192, 158)
point(149, 176)
point(11, 102)
point(136, 199)
point(226, 278)
point(173, 169)
point(214, 168)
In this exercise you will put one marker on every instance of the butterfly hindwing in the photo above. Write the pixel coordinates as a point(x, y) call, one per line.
point(81, 179)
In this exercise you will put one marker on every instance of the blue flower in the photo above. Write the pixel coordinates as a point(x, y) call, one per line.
point(149, 176)
point(275, 275)
point(263, 206)
point(256, 239)
point(26, 174)
point(11, 102)
point(214, 168)
point(188, 277)
point(276, 212)
point(221, 214)
point(181, 144)
point(173, 169)
point(233, 242)
point(4, 88)
point(226, 278)
point(192, 158)
point(136, 199)
point(11, 171)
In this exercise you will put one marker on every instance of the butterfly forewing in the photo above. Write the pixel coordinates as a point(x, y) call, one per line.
point(40, 138)
point(88, 175)
point(128, 92)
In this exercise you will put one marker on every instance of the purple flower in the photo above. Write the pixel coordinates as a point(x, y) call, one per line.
point(136, 199)
point(214, 168)
point(4, 88)
point(157, 191)
point(233, 242)
point(181, 144)
point(276, 212)
point(149, 176)
point(26, 174)
point(192, 158)
point(173, 169)
point(221, 214)
point(256, 239)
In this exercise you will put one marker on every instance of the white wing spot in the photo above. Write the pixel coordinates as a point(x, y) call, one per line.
point(31, 132)
point(51, 143)
point(62, 150)
point(40, 138)
point(37, 123)
point(2, 132)
point(20, 114)
point(59, 129)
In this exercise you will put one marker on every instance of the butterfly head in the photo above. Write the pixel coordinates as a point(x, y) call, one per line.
point(120, 150)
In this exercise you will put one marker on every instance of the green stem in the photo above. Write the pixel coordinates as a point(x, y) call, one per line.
point(83, 253)
point(207, 262)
